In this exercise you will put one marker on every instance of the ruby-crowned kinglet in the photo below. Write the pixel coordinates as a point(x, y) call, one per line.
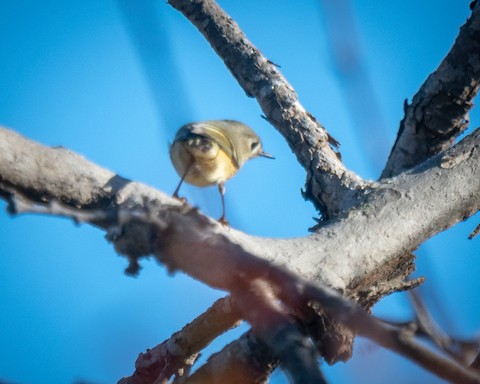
point(211, 152)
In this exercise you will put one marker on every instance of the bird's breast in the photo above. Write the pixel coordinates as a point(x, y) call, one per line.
point(207, 165)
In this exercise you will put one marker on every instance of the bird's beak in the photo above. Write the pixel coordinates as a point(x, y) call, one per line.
point(267, 155)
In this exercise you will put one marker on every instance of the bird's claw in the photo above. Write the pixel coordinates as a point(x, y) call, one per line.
point(183, 200)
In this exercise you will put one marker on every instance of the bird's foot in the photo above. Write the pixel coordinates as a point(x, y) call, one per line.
point(222, 220)
point(183, 200)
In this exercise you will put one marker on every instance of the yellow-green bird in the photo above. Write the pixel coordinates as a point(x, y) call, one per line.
point(211, 152)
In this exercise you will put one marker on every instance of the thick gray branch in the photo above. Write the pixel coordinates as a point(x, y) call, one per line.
point(439, 111)
point(328, 181)
point(394, 218)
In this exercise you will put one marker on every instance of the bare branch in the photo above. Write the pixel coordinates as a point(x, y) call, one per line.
point(340, 255)
point(184, 239)
point(245, 271)
point(274, 325)
point(328, 181)
point(475, 232)
point(244, 361)
point(439, 111)
point(476, 363)
point(459, 350)
point(181, 349)
point(344, 254)
point(374, 329)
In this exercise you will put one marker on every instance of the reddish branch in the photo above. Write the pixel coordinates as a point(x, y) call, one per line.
point(181, 349)
point(246, 360)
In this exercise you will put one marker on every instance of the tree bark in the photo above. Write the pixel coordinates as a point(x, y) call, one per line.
point(329, 182)
point(364, 249)
point(391, 219)
point(438, 113)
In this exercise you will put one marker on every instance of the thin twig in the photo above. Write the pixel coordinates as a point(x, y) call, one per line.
point(427, 326)
point(475, 232)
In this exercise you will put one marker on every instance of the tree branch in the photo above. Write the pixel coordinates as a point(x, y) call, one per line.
point(246, 271)
point(246, 360)
point(460, 350)
point(476, 363)
point(475, 232)
point(182, 348)
point(342, 254)
point(274, 324)
point(329, 185)
point(439, 111)
point(377, 231)
point(345, 254)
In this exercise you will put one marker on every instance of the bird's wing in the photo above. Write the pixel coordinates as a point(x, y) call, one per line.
point(211, 131)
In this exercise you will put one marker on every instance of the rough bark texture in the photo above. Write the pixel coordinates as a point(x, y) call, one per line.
point(347, 252)
point(190, 242)
point(363, 251)
point(438, 113)
point(328, 183)
point(342, 253)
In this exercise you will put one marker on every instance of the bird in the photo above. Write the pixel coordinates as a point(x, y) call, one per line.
point(211, 152)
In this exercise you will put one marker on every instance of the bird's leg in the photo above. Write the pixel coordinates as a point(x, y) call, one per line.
point(175, 194)
point(221, 189)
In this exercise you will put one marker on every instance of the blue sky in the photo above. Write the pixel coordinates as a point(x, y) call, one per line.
point(73, 74)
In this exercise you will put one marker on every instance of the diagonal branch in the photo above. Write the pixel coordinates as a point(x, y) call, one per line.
point(274, 324)
point(329, 183)
point(181, 349)
point(476, 363)
point(438, 113)
point(425, 326)
point(246, 360)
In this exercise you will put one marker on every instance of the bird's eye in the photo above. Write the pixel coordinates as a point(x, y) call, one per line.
point(254, 145)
